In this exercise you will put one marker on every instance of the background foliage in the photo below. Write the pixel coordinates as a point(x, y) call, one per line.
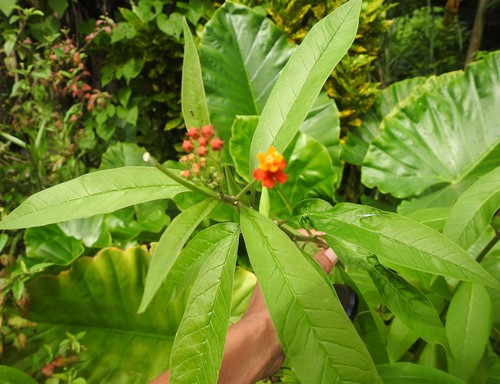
point(88, 89)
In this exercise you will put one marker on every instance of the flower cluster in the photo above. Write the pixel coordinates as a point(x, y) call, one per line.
point(199, 144)
point(271, 166)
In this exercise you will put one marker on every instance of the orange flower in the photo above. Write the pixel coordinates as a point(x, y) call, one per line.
point(270, 168)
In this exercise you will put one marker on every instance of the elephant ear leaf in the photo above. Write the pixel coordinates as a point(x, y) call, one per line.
point(439, 137)
point(473, 210)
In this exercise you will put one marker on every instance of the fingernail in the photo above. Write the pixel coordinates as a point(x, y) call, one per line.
point(331, 255)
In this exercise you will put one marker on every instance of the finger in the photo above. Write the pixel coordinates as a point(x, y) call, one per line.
point(326, 258)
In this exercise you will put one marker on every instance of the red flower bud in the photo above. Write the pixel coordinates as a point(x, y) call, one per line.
point(202, 141)
point(186, 174)
point(187, 146)
point(202, 151)
point(216, 144)
point(193, 133)
point(196, 168)
point(207, 131)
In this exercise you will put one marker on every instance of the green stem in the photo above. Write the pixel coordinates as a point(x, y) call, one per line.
point(183, 181)
point(312, 239)
point(245, 189)
point(488, 247)
point(284, 198)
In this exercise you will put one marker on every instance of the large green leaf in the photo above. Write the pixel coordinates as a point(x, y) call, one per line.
point(100, 296)
point(473, 210)
point(409, 304)
point(468, 325)
point(303, 77)
point(400, 241)
point(92, 194)
point(440, 137)
point(199, 342)
point(408, 373)
point(170, 245)
point(317, 337)
point(359, 138)
point(50, 244)
point(242, 54)
point(9, 375)
point(194, 102)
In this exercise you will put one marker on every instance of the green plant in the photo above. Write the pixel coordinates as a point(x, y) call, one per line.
point(423, 44)
point(401, 269)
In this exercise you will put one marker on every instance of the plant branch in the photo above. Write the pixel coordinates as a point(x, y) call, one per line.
point(488, 247)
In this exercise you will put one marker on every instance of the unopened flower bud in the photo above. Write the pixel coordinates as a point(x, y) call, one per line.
point(202, 141)
point(187, 146)
point(216, 144)
point(207, 131)
point(202, 151)
point(196, 168)
point(184, 159)
point(186, 174)
point(193, 133)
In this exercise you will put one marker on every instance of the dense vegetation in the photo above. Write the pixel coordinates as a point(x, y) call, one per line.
point(391, 150)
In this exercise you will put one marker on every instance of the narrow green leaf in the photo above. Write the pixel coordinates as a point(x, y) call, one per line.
point(399, 339)
point(317, 337)
point(400, 241)
point(408, 373)
point(468, 325)
point(409, 304)
point(171, 243)
point(473, 210)
point(303, 77)
point(199, 342)
point(6, 6)
point(194, 102)
point(95, 193)
point(239, 145)
point(187, 265)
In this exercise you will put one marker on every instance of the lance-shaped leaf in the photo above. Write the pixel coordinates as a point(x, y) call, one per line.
point(187, 265)
point(409, 304)
point(303, 77)
point(399, 339)
point(171, 243)
point(468, 325)
point(400, 241)
point(473, 210)
point(194, 102)
point(316, 335)
point(199, 342)
point(242, 54)
point(92, 194)
point(439, 137)
point(408, 373)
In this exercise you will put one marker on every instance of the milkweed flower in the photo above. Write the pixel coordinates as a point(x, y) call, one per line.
point(271, 166)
